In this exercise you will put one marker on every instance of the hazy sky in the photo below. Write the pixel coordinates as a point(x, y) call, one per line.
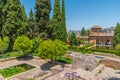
point(86, 13)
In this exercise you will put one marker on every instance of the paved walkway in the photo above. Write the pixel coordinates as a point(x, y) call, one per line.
point(28, 74)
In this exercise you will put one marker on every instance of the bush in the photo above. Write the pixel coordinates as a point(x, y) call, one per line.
point(79, 49)
point(117, 47)
point(8, 72)
point(11, 54)
point(52, 49)
point(64, 60)
point(36, 43)
point(106, 51)
point(23, 43)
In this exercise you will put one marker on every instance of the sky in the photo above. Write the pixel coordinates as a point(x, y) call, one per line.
point(86, 13)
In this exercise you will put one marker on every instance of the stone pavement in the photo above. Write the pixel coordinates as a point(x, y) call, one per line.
point(28, 74)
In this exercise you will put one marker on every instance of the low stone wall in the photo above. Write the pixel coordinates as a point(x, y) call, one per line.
point(111, 63)
point(7, 59)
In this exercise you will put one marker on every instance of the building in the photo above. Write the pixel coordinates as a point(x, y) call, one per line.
point(99, 37)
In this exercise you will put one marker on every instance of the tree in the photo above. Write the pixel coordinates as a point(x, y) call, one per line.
point(56, 22)
point(23, 43)
point(23, 22)
point(31, 29)
point(64, 33)
point(83, 32)
point(2, 16)
point(42, 19)
point(15, 22)
point(116, 39)
point(52, 49)
point(73, 40)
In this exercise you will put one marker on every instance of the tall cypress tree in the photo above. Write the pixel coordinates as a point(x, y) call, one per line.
point(31, 29)
point(42, 19)
point(64, 33)
point(56, 21)
point(14, 22)
point(23, 22)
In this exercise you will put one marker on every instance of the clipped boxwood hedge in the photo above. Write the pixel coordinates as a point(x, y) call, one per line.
point(106, 51)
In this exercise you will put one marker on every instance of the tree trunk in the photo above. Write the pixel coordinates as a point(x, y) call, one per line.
point(11, 43)
point(2, 38)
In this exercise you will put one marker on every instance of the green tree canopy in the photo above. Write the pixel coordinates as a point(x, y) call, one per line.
point(83, 32)
point(31, 29)
point(15, 21)
point(42, 19)
point(23, 43)
point(73, 40)
point(56, 22)
point(63, 23)
point(52, 49)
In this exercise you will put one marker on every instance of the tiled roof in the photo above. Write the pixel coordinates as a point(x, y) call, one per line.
point(96, 27)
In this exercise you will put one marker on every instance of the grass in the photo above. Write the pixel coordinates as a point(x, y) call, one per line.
point(11, 54)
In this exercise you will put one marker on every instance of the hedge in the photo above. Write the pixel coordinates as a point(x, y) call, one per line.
point(106, 51)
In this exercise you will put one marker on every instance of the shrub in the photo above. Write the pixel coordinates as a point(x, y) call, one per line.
point(52, 49)
point(36, 43)
point(8, 72)
point(106, 51)
point(117, 47)
point(64, 60)
point(23, 43)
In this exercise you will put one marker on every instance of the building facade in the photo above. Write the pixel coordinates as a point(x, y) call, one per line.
point(99, 37)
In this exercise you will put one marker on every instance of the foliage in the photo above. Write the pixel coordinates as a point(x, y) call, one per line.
point(116, 39)
point(83, 32)
point(15, 21)
point(31, 29)
point(79, 49)
point(4, 44)
point(106, 51)
point(56, 22)
point(30, 79)
point(23, 43)
point(42, 19)
point(36, 43)
point(8, 72)
point(11, 54)
point(73, 40)
point(64, 60)
point(117, 47)
point(63, 23)
point(52, 49)
point(87, 45)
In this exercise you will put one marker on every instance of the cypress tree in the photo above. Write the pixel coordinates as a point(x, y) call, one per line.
point(23, 22)
point(14, 22)
point(56, 21)
point(64, 33)
point(31, 30)
point(42, 19)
